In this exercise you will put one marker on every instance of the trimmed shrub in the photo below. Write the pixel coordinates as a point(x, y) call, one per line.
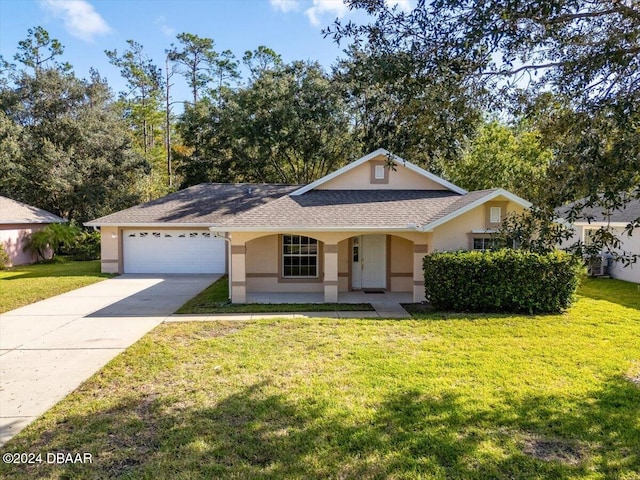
point(512, 281)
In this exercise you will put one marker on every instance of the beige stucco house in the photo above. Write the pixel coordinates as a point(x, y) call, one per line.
point(364, 227)
point(17, 222)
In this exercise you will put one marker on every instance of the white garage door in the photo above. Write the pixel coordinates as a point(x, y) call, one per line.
point(173, 251)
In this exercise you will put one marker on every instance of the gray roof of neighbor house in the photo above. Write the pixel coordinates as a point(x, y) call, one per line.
point(206, 204)
point(14, 212)
point(627, 214)
point(353, 209)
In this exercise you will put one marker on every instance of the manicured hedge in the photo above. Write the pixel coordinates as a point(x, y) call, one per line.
point(501, 281)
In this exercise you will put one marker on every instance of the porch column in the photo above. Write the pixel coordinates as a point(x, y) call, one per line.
point(419, 251)
point(330, 273)
point(238, 274)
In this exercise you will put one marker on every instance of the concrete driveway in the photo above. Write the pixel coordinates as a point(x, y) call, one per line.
point(47, 349)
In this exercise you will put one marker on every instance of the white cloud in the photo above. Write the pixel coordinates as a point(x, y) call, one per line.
point(336, 8)
point(79, 16)
point(284, 5)
point(168, 31)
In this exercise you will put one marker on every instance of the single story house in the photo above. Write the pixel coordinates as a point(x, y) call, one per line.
point(366, 226)
point(594, 219)
point(17, 222)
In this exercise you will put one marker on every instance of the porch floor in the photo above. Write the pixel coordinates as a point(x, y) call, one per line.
point(318, 297)
point(386, 304)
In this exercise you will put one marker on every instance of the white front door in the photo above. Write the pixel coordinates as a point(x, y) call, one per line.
point(369, 268)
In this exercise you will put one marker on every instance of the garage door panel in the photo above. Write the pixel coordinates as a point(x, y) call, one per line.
point(174, 251)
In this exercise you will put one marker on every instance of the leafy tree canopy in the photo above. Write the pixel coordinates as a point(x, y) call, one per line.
point(506, 157)
point(64, 146)
point(288, 125)
point(583, 54)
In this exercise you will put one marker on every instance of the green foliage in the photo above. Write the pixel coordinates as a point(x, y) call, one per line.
point(86, 246)
point(141, 107)
point(4, 258)
point(289, 125)
point(582, 55)
point(64, 146)
point(56, 236)
point(38, 49)
point(502, 281)
point(535, 230)
point(394, 103)
point(202, 65)
point(506, 157)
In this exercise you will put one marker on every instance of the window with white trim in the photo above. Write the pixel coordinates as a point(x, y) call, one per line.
point(486, 243)
point(495, 214)
point(378, 172)
point(299, 257)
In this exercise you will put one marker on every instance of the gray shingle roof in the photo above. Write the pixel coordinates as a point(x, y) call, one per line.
point(628, 214)
point(207, 203)
point(12, 211)
point(353, 209)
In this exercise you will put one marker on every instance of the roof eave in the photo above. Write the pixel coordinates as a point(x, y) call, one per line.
point(601, 223)
point(223, 228)
point(149, 224)
point(24, 221)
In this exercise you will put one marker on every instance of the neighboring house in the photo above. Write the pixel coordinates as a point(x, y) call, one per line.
point(617, 221)
point(364, 227)
point(17, 222)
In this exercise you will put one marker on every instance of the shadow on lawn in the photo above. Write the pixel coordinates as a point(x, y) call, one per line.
point(254, 434)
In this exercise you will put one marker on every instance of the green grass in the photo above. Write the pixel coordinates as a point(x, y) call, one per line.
point(26, 284)
point(215, 299)
point(447, 396)
point(616, 291)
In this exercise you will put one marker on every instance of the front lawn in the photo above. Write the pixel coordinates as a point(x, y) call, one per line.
point(26, 284)
point(447, 396)
point(215, 299)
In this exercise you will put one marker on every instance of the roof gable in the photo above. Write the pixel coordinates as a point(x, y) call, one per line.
point(426, 180)
point(473, 200)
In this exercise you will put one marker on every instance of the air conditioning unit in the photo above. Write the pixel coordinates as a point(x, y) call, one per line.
point(598, 266)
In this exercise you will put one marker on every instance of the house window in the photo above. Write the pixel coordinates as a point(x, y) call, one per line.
point(495, 214)
point(299, 257)
point(486, 243)
point(379, 172)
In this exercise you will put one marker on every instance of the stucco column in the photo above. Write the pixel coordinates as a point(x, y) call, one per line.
point(238, 274)
point(330, 273)
point(419, 251)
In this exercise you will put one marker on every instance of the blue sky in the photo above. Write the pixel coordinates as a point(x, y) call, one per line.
point(88, 27)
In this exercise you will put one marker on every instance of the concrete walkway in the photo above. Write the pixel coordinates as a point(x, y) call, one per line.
point(49, 348)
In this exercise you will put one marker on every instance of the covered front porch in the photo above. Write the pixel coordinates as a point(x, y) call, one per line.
point(327, 267)
point(318, 297)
